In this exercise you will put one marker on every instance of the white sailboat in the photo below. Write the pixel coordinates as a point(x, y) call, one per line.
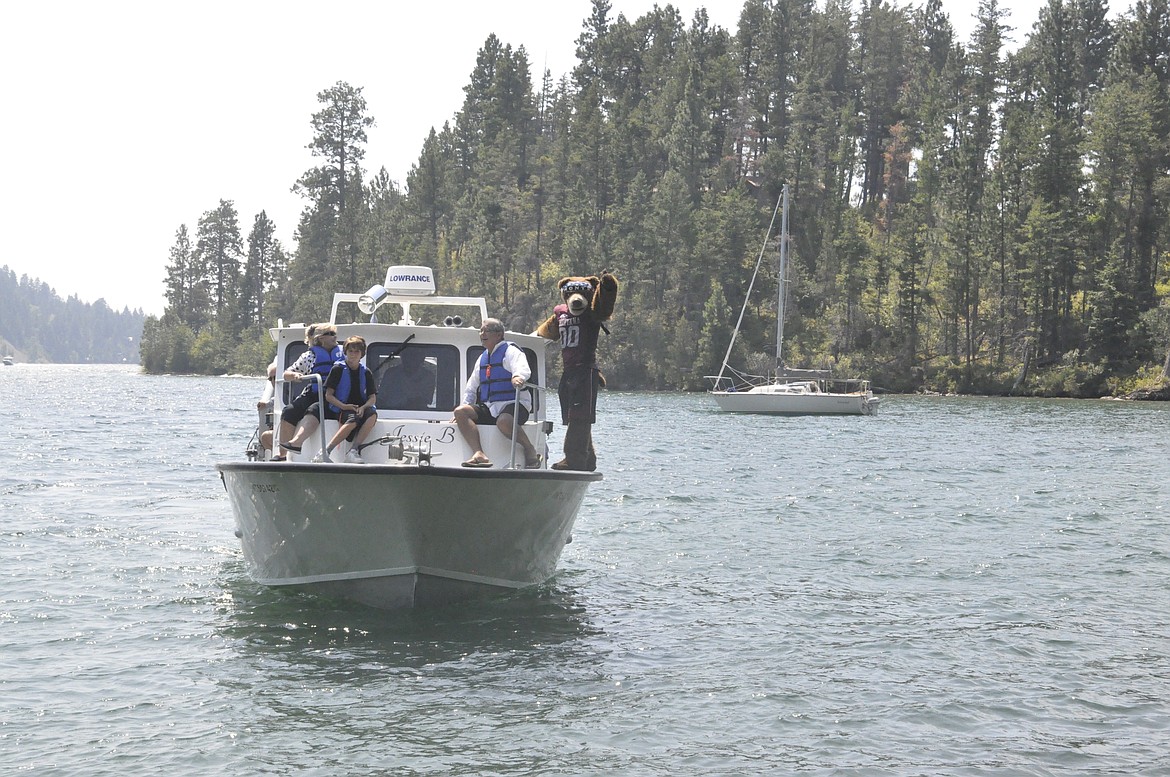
point(787, 391)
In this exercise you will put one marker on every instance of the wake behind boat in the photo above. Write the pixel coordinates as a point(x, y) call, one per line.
point(787, 391)
point(409, 525)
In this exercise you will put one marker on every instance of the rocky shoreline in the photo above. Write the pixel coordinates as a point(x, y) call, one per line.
point(1151, 393)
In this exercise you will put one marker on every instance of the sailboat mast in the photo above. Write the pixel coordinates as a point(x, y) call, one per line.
point(751, 284)
point(782, 283)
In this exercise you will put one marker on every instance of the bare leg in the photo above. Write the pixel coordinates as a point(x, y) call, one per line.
point(304, 431)
point(342, 432)
point(286, 431)
point(505, 424)
point(465, 420)
point(364, 432)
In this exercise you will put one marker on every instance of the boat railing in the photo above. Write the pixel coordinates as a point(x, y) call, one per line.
point(731, 380)
point(533, 391)
point(406, 302)
point(315, 378)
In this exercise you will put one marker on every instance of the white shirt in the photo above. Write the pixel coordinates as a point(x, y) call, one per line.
point(268, 392)
point(269, 389)
point(516, 363)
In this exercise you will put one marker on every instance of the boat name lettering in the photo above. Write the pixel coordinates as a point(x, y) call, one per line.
point(446, 436)
point(267, 488)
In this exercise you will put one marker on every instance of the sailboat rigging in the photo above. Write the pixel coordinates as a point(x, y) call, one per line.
point(787, 391)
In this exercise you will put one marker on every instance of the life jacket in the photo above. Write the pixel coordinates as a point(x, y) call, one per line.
point(324, 361)
point(342, 390)
point(495, 382)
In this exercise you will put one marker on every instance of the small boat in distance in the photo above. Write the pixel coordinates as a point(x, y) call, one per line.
point(786, 391)
point(408, 526)
point(9, 361)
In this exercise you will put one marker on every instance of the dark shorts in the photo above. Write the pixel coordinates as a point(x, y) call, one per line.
point(484, 417)
point(294, 411)
point(347, 415)
point(342, 417)
point(314, 411)
point(578, 394)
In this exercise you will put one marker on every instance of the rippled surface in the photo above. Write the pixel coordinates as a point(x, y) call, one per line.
point(953, 586)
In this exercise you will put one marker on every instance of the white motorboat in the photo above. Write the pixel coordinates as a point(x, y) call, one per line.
point(787, 391)
point(9, 361)
point(409, 526)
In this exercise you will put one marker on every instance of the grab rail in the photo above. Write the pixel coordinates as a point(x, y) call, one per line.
point(516, 414)
point(320, 412)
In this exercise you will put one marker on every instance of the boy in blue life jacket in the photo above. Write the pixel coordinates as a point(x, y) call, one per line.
point(350, 392)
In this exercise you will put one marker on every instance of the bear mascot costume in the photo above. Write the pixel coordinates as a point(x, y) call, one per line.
point(576, 323)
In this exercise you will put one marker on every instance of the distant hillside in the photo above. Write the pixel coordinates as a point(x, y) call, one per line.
point(38, 326)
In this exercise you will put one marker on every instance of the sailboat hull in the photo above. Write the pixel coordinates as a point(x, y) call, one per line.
point(784, 399)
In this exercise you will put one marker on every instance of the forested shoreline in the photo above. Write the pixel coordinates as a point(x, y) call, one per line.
point(964, 218)
point(36, 325)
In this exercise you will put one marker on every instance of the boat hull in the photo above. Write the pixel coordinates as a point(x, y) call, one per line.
point(401, 536)
point(794, 404)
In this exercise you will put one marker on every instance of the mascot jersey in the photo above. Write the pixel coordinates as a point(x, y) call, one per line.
point(578, 338)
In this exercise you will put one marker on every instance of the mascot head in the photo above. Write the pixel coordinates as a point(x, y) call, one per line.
point(578, 293)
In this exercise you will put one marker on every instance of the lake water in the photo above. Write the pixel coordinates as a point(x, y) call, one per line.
point(954, 586)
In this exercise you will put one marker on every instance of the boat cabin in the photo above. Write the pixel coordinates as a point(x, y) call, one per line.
point(421, 349)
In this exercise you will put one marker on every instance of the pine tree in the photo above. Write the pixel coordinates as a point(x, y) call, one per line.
point(220, 249)
point(186, 287)
point(331, 225)
point(264, 268)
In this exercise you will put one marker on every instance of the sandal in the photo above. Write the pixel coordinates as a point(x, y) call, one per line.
point(473, 462)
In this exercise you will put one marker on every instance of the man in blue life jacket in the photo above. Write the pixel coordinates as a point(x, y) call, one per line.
point(490, 395)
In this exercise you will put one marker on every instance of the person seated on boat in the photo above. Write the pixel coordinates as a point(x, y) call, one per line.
point(490, 395)
point(350, 396)
point(264, 406)
point(409, 383)
point(319, 359)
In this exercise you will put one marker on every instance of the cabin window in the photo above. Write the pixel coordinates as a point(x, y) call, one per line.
point(417, 376)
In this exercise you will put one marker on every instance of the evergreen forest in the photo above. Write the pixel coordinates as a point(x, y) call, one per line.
point(36, 325)
point(965, 217)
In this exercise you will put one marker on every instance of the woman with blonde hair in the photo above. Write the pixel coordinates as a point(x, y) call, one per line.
point(318, 359)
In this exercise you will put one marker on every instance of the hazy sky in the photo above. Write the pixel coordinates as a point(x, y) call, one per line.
point(124, 120)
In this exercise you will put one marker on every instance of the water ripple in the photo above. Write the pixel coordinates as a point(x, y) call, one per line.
point(953, 586)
